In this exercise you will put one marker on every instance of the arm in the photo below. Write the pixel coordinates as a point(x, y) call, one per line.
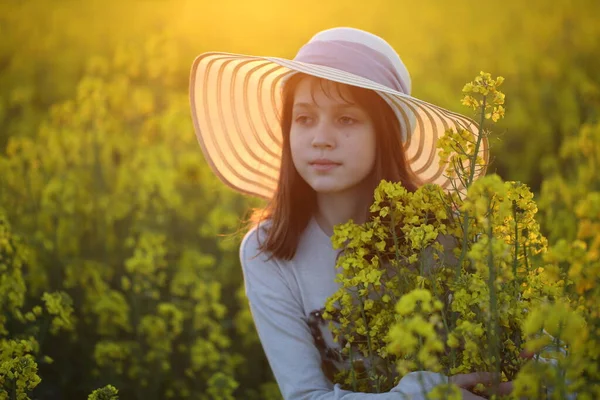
point(284, 333)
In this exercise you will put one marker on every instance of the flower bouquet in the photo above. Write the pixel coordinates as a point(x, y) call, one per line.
point(458, 281)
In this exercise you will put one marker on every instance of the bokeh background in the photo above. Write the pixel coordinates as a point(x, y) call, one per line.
point(118, 247)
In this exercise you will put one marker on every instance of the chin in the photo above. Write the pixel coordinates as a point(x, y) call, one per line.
point(320, 190)
point(329, 187)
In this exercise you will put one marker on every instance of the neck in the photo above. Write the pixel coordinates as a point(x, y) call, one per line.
point(338, 208)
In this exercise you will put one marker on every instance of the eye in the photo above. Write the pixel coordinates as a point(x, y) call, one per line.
point(345, 120)
point(303, 119)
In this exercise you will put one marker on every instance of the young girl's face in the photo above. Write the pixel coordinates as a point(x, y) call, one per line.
point(332, 140)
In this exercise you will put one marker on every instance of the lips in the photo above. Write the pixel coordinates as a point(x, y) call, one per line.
point(324, 165)
point(324, 162)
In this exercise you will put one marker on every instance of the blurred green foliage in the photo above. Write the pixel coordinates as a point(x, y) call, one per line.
point(104, 187)
point(549, 55)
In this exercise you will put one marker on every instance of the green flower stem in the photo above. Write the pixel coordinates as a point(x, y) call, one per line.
point(371, 371)
point(393, 228)
point(514, 267)
point(493, 338)
point(526, 257)
point(479, 137)
point(463, 252)
point(445, 321)
point(393, 298)
point(420, 368)
point(473, 162)
point(396, 247)
point(560, 365)
point(421, 267)
point(352, 371)
point(516, 335)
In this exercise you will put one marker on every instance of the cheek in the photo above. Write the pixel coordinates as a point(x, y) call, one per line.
point(295, 137)
point(372, 145)
point(365, 149)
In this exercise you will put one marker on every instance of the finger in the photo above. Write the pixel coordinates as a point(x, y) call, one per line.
point(505, 388)
point(527, 354)
point(466, 395)
point(468, 381)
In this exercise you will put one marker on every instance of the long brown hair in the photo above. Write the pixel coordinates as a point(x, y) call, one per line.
point(294, 201)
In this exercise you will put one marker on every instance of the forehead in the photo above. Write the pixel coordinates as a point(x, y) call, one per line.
point(322, 91)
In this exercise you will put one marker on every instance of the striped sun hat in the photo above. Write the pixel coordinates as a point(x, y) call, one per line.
point(236, 106)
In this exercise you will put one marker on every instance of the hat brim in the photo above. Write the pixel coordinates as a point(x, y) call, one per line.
point(236, 108)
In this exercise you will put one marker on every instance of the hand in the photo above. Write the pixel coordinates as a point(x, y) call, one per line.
point(466, 382)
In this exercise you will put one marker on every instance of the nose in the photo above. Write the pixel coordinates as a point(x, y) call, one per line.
point(323, 136)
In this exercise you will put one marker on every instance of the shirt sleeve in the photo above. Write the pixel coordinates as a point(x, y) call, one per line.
point(285, 336)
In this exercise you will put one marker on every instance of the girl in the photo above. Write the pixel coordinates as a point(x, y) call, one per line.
point(314, 135)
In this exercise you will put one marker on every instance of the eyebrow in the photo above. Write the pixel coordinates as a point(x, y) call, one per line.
point(313, 105)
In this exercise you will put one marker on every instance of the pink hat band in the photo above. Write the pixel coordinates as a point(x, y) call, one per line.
point(354, 58)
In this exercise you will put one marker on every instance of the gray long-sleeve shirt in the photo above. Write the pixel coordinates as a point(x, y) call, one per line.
point(285, 299)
